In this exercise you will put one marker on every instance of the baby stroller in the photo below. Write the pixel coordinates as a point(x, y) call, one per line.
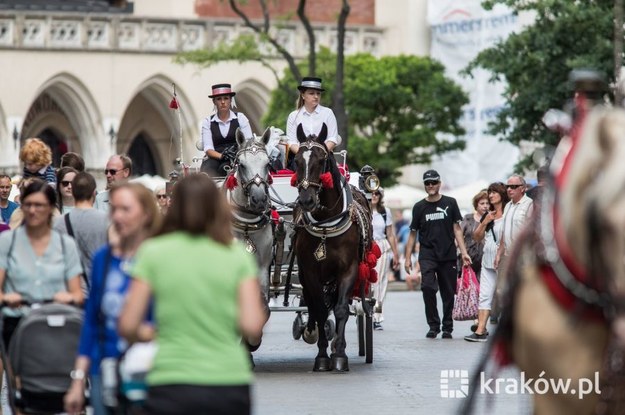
point(41, 356)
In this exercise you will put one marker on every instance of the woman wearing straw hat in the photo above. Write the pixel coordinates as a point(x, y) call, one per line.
point(218, 130)
point(311, 115)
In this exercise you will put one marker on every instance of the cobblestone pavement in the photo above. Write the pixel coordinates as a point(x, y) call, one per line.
point(404, 378)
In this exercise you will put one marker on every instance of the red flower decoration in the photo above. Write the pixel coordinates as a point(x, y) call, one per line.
point(173, 104)
point(326, 180)
point(294, 180)
point(375, 249)
point(231, 182)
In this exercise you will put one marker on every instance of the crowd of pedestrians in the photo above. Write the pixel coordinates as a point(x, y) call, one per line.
point(137, 260)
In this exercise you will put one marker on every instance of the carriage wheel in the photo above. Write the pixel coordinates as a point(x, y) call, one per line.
point(369, 339)
point(330, 329)
point(298, 327)
point(360, 322)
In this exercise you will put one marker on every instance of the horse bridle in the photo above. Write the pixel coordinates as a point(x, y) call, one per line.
point(305, 183)
point(257, 180)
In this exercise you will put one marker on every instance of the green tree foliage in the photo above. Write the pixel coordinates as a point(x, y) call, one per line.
point(535, 63)
point(397, 107)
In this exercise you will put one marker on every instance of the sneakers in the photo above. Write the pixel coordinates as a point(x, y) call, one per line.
point(377, 326)
point(432, 334)
point(481, 338)
point(447, 335)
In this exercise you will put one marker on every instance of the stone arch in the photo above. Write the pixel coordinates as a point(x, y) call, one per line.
point(149, 117)
point(253, 99)
point(63, 104)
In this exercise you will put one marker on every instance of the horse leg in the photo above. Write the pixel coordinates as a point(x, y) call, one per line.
point(341, 314)
point(317, 315)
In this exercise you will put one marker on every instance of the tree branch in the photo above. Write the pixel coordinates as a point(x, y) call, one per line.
point(263, 6)
point(312, 52)
point(339, 96)
point(285, 54)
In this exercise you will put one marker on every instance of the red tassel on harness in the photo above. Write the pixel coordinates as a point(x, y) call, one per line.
point(363, 272)
point(373, 276)
point(294, 180)
point(326, 180)
point(275, 216)
point(231, 182)
point(375, 249)
point(371, 259)
point(173, 104)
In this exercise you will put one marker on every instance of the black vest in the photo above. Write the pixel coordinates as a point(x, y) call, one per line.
point(220, 142)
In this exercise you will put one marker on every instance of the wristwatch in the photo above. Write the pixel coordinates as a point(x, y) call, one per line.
point(77, 374)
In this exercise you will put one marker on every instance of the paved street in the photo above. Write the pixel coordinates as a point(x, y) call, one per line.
point(405, 377)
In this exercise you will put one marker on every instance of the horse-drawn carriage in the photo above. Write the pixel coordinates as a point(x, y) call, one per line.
point(297, 245)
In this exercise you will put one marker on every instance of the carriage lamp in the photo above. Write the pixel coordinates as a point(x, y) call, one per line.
point(368, 181)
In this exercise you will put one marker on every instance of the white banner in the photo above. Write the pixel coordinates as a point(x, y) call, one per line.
point(460, 30)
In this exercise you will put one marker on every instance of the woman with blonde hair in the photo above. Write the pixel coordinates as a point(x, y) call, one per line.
point(312, 116)
point(201, 367)
point(162, 198)
point(37, 159)
point(134, 217)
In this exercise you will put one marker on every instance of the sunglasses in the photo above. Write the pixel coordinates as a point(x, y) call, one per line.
point(376, 193)
point(431, 182)
point(161, 196)
point(65, 183)
point(513, 186)
point(112, 172)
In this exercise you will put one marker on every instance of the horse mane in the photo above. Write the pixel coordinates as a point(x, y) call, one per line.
point(592, 199)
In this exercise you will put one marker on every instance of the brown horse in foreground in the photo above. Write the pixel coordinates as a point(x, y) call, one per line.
point(332, 233)
point(563, 299)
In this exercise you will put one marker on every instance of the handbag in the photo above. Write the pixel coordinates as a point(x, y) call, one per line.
point(467, 296)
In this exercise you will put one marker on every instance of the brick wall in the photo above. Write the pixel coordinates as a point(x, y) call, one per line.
point(325, 11)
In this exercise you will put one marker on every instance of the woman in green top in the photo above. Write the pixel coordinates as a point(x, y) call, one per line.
point(206, 296)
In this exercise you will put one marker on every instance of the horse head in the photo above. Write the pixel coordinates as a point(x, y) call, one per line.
point(251, 169)
point(313, 160)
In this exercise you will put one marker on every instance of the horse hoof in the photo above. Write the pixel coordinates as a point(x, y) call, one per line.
point(311, 337)
point(339, 364)
point(322, 364)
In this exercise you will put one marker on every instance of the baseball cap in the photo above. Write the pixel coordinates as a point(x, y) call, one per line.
point(431, 175)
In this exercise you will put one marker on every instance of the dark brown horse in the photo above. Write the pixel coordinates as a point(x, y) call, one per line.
point(332, 231)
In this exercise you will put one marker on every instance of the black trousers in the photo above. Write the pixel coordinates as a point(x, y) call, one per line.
point(437, 275)
point(194, 399)
point(9, 324)
point(214, 167)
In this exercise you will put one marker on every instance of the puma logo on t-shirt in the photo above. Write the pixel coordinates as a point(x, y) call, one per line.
point(439, 215)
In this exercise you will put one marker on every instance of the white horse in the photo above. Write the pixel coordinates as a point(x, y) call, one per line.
point(248, 194)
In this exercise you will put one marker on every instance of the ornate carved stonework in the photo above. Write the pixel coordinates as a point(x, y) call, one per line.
point(33, 33)
point(110, 32)
point(128, 36)
point(160, 37)
point(65, 34)
point(6, 32)
point(98, 35)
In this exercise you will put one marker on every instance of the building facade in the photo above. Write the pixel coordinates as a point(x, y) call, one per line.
point(97, 78)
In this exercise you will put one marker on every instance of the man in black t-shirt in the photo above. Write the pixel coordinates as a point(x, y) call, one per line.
point(437, 219)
